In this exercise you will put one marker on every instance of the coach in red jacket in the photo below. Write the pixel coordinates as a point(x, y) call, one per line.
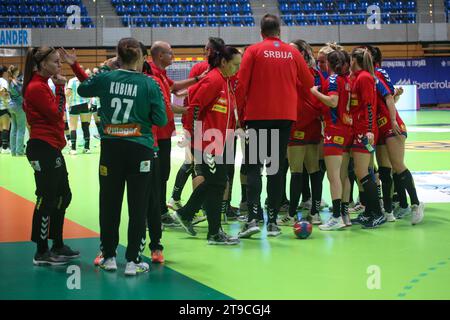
point(268, 79)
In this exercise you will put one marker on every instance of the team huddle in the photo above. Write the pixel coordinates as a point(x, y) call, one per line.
point(335, 115)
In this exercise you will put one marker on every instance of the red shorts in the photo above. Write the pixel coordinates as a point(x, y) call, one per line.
point(359, 143)
point(303, 135)
point(385, 128)
point(337, 141)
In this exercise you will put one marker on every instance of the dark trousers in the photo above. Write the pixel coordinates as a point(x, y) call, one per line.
point(209, 193)
point(154, 207)
point(165, 147)
point(274, 181)
point(123, 162)
point(52, 191)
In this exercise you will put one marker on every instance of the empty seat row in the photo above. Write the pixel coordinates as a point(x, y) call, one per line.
point(183, 10)
point(211, 21)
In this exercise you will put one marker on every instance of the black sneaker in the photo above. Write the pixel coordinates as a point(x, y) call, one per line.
point(361, 218)
point(249, 229)
point(65, 252)
point(373, 221)
point(232, 213)
point(186, 224)
point(273, 230)
point(221, 238)
point(49, 259)
point(168, 221)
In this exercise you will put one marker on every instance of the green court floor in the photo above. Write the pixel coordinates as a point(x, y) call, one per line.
point(396, 261)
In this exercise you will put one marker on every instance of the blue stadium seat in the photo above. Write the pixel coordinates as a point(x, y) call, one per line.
point(60, 10)
point(201, 22)
point(176, 21)
point(213, 21)
point(295, 8)
point(189, 22)
point(223, 9)
point(234, 9)
point(178, 9)
point(246, 9)
point(120, 10)
point(165, 22)
point(139, 2)
point(225, 21)
point(144, 10)
point(191, 9)
point(167, 9)
point(155, 10)
point(236, 21)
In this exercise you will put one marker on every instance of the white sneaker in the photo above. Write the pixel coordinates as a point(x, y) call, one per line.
point(287, 220)
point(175, 205)
point(332, 224)
point(417, 213)
point(357, 209)
point(315, 219)
point(306, 205)
point(87, 151)
point(6, 151)
point(72, 152)
point(389, 217)
point(134, 268)
point(347, 221)
point(108, 264)
point(400, 212)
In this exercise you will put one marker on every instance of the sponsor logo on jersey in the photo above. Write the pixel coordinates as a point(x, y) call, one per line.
point(299, 135)
point(347, 119)
point(35, 165)
point(123, 130)
point(382, 121)
point(103, 171)
point(145, 166)
point(338, 140)
point(219, 108)
point(58, 162)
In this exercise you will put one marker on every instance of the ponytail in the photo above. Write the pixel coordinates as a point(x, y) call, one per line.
point(364, 59)
point(368, 63)
point(306, 51)
point(30, 67)
point(336, 61)
point(33, 60)
point(223, 52)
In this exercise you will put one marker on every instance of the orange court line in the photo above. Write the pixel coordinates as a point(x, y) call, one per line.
point(16, 215)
